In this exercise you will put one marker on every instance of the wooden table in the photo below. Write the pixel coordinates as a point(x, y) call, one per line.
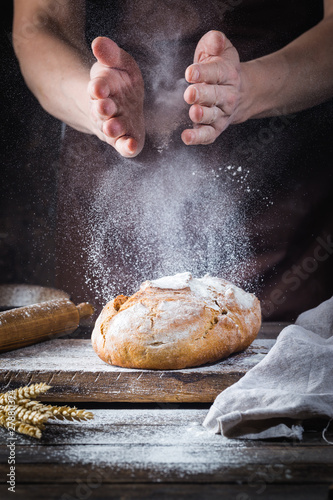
point(146, 440)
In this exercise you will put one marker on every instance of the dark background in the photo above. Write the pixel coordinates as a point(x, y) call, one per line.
point(30, 141)
point(29, 155)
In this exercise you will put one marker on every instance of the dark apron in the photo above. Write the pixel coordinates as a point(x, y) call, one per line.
point(255, 207)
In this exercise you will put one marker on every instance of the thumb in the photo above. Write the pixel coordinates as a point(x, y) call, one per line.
point(211, 44)
point(106, 51)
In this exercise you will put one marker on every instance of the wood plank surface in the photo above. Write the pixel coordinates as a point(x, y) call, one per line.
point(133, 426)
point(76, 373)
point(162, 446)
point(162, 453)
point(92, 489)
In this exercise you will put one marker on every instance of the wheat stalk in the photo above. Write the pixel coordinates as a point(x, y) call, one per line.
point(34, 405)
point(29, 391)
point(21, 427)
point(21, 413)
point(26, 415)
point(70, 413)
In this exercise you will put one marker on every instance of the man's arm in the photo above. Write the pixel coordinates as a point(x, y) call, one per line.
point(225, 91)
point(58, 67)
point(54, 59)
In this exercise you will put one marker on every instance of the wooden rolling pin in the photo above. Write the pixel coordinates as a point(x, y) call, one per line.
point(31, 324)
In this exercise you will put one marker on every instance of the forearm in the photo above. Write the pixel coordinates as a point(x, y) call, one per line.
point(294, 78)
point(56, 70)
point(59, 83)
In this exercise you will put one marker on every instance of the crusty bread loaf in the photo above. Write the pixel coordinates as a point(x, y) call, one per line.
point(176, 322)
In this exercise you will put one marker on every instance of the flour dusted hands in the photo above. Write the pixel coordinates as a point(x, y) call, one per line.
point(116, 94)
point(215, 93)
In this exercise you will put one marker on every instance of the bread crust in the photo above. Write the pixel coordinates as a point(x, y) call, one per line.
point(177, 322)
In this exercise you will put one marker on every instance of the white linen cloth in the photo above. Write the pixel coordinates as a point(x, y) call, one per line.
point(293, 382)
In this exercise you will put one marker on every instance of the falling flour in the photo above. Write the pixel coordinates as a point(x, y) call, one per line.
point(148, 221)
point(174, 208)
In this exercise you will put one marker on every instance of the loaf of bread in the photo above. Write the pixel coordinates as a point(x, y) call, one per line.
point(176, 322)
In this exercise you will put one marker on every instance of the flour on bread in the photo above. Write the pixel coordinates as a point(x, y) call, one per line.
point(206, 288)
point(177, 322)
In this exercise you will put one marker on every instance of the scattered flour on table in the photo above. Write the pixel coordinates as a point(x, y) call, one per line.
point(156, 438)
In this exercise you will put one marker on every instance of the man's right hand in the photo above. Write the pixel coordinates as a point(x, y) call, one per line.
point(116, 94)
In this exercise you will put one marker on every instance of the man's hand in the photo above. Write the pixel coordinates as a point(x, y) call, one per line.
point(116, 92)
point(216, 91)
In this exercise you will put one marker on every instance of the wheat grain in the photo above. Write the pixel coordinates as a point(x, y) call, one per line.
point(28, 416)
point(30, 391)
point(18, 412)
point(21, 427)
point(70, 413)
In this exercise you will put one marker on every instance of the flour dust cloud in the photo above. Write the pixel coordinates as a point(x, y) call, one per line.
point(149, 221)
point(173, 208)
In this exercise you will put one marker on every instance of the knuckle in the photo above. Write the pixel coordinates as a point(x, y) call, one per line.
point(220, 72)
point(210, 140)
point(215, 95)
point(233, 74)
point(201, 93)
point(215, 115)
point(205, 118)
point(210, 115)
point(222, 125)
point(194, 93)
point(231, 100)
point(207, 135)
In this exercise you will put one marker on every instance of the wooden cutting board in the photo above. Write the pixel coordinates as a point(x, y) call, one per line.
point(76, 373)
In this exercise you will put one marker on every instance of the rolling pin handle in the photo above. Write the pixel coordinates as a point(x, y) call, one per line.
point(85, 310)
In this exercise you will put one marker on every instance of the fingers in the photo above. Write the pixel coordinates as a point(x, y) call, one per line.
point(212, 43)
point(202, 114)
point(204, 134)
point(110, 55)
point(207, 95)
point(116, 98)
point(209, 123)
point(215, 61)
point(104, 81)
point(106, 51)
point(116, 134)
point(104, 111)
point(114, 128)
point(215, 92)
point(223, 97)
point(128, 147)
point(98, 88)
point(105, 108)
point(216, 72)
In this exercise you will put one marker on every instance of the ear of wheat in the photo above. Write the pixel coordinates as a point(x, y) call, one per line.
point(20, 412)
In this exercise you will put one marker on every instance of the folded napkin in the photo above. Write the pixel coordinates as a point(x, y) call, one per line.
point(293, 382)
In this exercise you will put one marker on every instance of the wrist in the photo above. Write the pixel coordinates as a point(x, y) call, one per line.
point(75, 90)
point(247, 94)
point(263, 81)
